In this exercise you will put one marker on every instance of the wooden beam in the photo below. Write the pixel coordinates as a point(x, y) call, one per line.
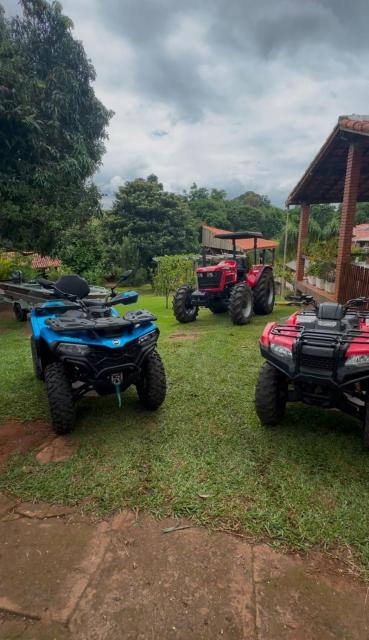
point(350, 194)
point(303, 232)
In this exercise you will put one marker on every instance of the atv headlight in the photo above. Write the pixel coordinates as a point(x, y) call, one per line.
point(147, 337)
point(72, 349)
point(357, 361)
point(281, 351)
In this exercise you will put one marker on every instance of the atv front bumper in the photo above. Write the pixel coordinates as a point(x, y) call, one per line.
point(317, 365)
point(98, 365)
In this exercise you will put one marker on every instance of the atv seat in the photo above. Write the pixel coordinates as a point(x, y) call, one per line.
point(330, 311)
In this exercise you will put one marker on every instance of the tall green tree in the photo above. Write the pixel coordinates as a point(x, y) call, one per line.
point(208, 206)
point(52, 126)
point(157, 221)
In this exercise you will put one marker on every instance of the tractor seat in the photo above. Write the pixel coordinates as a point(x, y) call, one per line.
point(330, 311)
point(242, 267)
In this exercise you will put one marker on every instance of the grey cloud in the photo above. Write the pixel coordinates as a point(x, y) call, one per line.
point(238, 35)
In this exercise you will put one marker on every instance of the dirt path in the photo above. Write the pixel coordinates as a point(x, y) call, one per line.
point(65, 577)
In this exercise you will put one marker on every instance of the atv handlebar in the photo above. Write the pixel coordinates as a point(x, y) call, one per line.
point(356, 302)
point(307, 300)
point(303, 300)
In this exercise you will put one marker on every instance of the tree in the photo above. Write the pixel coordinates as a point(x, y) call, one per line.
point(252, 212)
point(171, 273)
point(157, 221)
point(52, 126)
point(207, 206)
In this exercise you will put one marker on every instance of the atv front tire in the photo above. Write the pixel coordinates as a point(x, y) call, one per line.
point(270, 395)
point(264, 293)
point(152, 386)
point(240, 306)
point(60, 396)
point(183, 310)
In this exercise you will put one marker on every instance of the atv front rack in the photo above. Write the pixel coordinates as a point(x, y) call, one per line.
point(325, 338)
point(101, 326)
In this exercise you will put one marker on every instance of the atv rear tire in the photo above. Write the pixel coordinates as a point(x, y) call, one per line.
point(264, 293)
point(183, 310)
point(60, 396)
point(218, 307)
point(270, 395)
point(152, 386)
point(240, 306)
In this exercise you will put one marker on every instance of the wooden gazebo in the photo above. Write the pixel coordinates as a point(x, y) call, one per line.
point(339, 173)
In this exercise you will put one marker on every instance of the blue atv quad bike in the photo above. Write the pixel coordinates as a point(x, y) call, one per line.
point(79, 345)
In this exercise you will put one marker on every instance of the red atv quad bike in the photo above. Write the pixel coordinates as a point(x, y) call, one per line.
point(231, 285)
point(320, 357)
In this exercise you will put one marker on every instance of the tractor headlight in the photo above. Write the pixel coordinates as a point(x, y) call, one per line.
point(281, 351)
point(73, 349)
point(357, 361)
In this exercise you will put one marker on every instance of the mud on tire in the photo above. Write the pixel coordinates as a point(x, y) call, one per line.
point(60, 397)
point(182, 308)
point(240, 306)
point(264, 293)
point(270, 395)
point(152, 386)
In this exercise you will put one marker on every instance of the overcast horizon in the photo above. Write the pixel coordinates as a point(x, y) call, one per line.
point(225, 93)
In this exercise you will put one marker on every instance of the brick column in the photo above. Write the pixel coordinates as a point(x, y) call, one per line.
point(303, 231)
point(348, 213)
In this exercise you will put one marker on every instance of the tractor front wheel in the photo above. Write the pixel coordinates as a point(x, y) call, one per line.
point(152, 386)
point(183, 309)
point(264, 293)
point(60, 397)
point(240, 304)
point(271, 395)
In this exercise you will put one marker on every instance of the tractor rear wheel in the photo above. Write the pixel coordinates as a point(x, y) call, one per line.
point(152, 385)
point(270, 395)
point(240, 306)
point(264, 293)
point(183, 310)
point(218, 307)
point(60, 397)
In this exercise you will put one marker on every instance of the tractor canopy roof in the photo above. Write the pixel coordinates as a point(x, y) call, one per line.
point(238, 235)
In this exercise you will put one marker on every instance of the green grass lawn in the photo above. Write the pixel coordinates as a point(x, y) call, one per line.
point(303, 483)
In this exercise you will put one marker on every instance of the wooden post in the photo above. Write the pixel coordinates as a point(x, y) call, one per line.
point(348, 215)
point(303, 232)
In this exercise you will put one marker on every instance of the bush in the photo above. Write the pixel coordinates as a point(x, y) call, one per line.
point(172, 272)
point(6, 268)
point(18, 263)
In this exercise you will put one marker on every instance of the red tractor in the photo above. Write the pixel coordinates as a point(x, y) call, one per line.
point(232, 285)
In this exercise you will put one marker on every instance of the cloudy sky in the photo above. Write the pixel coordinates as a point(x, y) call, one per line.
point(233, 94)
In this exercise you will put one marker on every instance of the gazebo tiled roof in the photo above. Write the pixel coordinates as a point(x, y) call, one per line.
point(324, 179)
